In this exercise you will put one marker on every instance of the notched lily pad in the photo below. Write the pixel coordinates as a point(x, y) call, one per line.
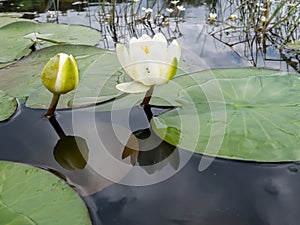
point(8, 106)
point(18, 38)
point(253, 117)
point(34, 196)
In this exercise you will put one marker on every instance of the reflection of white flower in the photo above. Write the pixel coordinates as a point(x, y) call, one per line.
point(180, 8)
point(169, 10)
point(147, 10)
point(263, 19)
point(174, 2)
point(148, 62)
point(136, 0)
point(50, 14)
point(233, 17)
point(212, 16)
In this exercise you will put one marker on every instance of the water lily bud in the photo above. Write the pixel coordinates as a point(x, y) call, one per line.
point(60, 75)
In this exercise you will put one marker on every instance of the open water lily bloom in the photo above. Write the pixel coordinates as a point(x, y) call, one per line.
point(148, 61)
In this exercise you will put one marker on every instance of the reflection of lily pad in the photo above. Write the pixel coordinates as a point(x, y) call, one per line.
point(255, 117)
point(8, 106)
point(19, 37)
point(33, 196)
point(97, 73)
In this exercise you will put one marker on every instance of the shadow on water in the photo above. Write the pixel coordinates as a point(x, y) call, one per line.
point(228, 192)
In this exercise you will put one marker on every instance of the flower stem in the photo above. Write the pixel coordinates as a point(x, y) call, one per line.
point(53, 105)
point(147, 97)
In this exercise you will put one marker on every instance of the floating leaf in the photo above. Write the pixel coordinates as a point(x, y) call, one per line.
point(252, 117)
point(7, 18)
point(19, 37)
point(166, 95)
point(34, 196)
point(8, 106)
point(98, 73)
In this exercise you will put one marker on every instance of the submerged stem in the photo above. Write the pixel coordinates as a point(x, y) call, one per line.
point(53, 105)
point(147, 97)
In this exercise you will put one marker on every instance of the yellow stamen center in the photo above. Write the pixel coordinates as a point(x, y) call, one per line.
point(146, 49)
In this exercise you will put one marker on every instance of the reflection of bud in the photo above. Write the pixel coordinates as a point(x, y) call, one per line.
point(71, 152)
point(60, 75)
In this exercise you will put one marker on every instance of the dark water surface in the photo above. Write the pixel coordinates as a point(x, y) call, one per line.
point(228, 192)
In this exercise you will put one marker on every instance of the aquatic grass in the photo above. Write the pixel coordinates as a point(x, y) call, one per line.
point(259, 25)
point(122, 21)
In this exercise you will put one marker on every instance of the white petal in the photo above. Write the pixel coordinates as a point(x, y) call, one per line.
point(144, 37)
point(132, 87)
point(153, 81)
point(138, 48)
point(133, 40)
point(123, 55)
point(174, 50)
point(125, 61)
point(158, 48)
point(159, 37)
point(146, 71)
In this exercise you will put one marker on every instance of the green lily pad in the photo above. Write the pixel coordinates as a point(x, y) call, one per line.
point(167, 94)
point(245, 114)
point(19, 37)
point(31, 196)
point(98, 73)
point(7, 18)
point(8, 106)
point(294, 45)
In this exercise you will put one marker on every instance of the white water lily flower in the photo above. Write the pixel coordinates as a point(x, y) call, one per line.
point(233, 17)
point(60, 75)
point(174, 2)
point(212, 16)
point(263, 19)
point(169, 10)
point(180, 8)
point(148, 62)
point(147, 10)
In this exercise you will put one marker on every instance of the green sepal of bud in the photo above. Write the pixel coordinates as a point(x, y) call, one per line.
point(60, 75)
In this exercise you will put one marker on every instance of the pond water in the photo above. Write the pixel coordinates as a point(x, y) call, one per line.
point(165, 185)
point(227, 192)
